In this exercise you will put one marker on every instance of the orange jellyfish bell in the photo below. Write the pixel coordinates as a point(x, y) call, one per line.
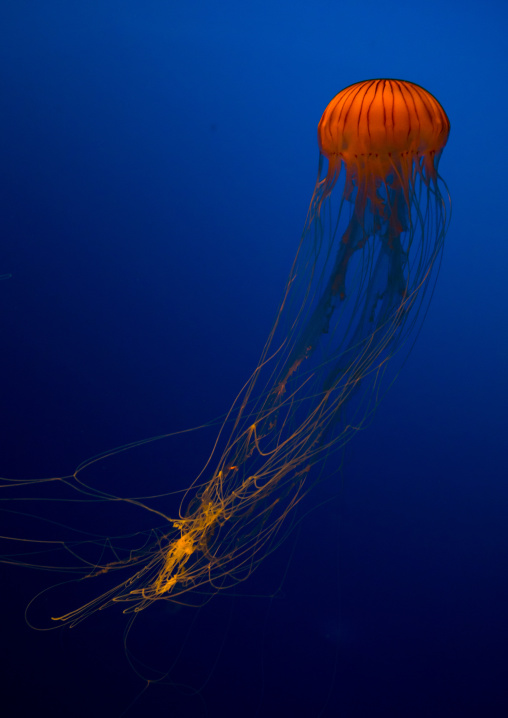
point(382, 129)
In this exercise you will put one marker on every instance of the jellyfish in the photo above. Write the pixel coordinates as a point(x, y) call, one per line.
point(354, 302)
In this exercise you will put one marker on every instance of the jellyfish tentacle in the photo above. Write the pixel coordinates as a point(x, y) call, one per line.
point(319, 321)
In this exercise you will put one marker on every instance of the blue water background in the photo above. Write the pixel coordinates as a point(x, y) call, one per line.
point(158, 159)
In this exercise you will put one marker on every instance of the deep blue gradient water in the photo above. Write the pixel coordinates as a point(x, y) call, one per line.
point(158, 159)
